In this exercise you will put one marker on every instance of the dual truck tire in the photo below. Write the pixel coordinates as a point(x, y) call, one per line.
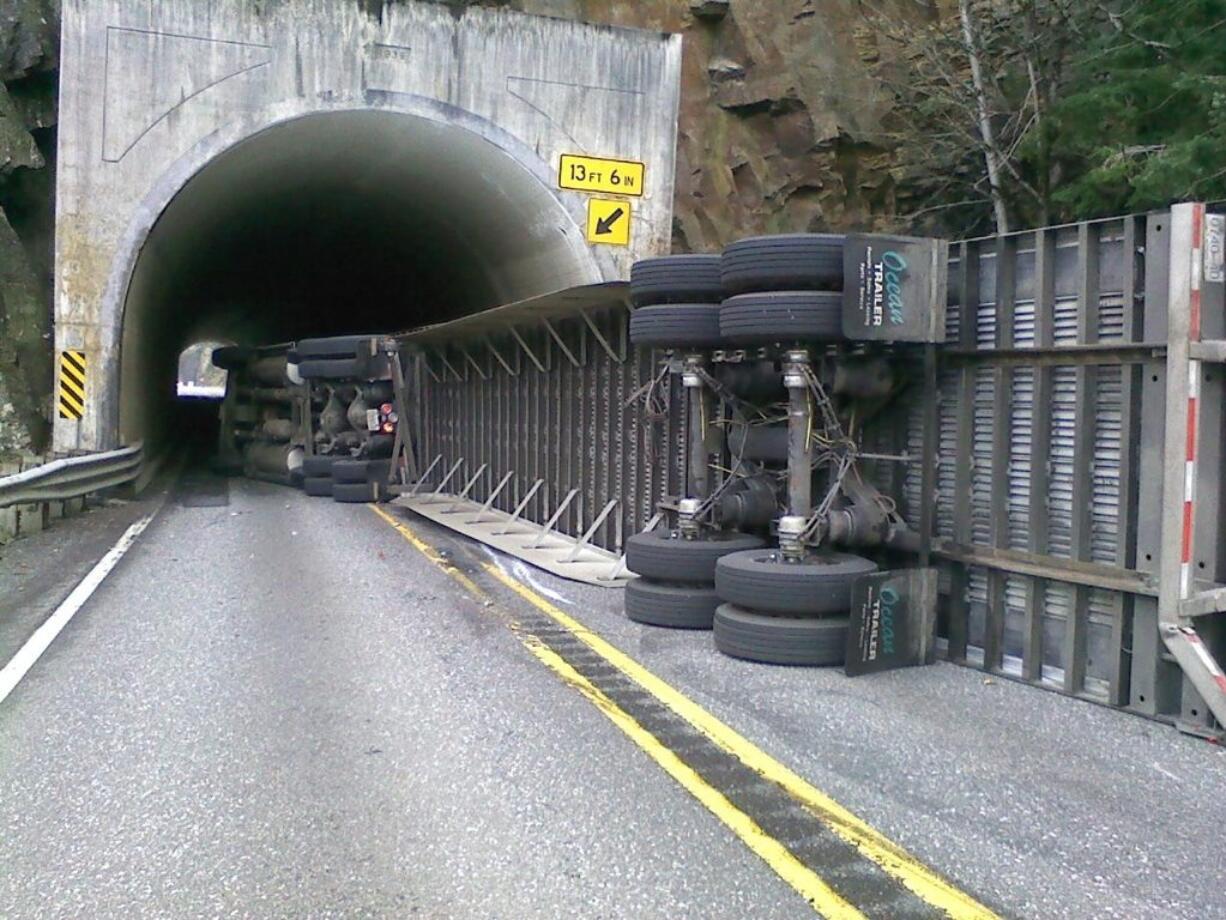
point(342, 357)
point(344, 479)
point(761, 607)
point(676, 583)
point(747, 319)
point(762, 290)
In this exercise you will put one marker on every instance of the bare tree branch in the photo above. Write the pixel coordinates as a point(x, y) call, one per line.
point(992, 157)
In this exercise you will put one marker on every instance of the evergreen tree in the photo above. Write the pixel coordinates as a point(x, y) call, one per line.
point(1021, 113)
point(1141, 121)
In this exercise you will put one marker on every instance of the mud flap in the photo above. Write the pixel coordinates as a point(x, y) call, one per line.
point(893, 621)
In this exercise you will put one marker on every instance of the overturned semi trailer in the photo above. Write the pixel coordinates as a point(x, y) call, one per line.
point(1057, 457)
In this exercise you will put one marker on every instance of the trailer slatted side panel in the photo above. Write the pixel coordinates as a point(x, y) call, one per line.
point(576, 422)
point(1021, 443)
point(1039, 422)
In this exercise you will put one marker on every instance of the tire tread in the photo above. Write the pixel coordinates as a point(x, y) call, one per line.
point(759, 581)
point(659, 555)
point(740, 633)
point(656, 603)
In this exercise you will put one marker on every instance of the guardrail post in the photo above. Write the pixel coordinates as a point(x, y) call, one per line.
point(8, 516)
point(31, 518)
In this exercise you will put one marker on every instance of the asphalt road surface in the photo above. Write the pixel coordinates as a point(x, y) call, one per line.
point(280, 706)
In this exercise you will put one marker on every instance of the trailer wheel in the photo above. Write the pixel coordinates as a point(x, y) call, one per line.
point(762, 580)
point(377, 391)
point(676, 279)
point(378, 471)
point(361, 471)
point(666, 556)
point(318, 466)
point(678, 325)
point(349, 471)
point(231, 357)
point(780, 640)
point(318, 486)
point(379, 446)
point(332, 368)
point(353, 492)
point(673, 606)
point(783, 316)
point(245, 414)
point(340, 346)
point(788, 262)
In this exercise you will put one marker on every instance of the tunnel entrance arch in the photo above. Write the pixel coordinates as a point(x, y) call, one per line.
point(357, 219)
point(177, 177)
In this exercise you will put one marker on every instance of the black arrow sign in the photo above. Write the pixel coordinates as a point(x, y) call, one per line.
point(605, 226)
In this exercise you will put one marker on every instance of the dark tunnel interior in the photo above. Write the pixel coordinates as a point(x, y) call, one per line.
point(330, 224)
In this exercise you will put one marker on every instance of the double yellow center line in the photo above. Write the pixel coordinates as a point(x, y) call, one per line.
point(916, 877)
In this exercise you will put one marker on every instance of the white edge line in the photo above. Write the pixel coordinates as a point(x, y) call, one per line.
point(38, 643)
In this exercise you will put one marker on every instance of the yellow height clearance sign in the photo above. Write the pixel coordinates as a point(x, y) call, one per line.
point(72, 385)
point(608, 221)
point(598, 174)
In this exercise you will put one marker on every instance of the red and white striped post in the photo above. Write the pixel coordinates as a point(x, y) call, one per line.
point(1183, 371)
point(1197, 232)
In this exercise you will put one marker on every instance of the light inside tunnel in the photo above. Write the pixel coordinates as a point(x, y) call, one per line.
point(198, 377)
point(341, 222)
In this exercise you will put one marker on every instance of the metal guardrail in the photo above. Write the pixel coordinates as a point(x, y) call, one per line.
point(72, 477)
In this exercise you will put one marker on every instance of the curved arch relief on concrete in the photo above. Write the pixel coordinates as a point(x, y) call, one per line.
point(153, 94)
point(194, 65)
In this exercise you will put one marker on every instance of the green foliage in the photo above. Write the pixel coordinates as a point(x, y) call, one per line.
point(1085, 108)
point(1141, 120)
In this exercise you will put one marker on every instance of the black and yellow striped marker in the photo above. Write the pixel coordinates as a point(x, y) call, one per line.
point(72, 384)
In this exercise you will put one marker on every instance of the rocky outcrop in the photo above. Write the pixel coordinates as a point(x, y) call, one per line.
point(29, 44)
point(782, 118)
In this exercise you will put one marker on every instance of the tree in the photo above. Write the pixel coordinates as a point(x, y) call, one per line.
point(973, 88)
point(993, 157)
point(1142, 121)
point(1014, 113)
point(974, 109)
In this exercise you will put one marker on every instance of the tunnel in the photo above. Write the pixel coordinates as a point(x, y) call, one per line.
point(330, 223)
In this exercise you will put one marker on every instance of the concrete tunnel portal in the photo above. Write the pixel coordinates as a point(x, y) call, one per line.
point(259, 171)
point(338, 222)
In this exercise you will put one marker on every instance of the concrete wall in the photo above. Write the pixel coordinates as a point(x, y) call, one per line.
point(151, 93)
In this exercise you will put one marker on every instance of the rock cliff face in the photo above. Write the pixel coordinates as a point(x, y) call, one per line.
point(781, 122)
point(781, 130)
point(29, 44)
